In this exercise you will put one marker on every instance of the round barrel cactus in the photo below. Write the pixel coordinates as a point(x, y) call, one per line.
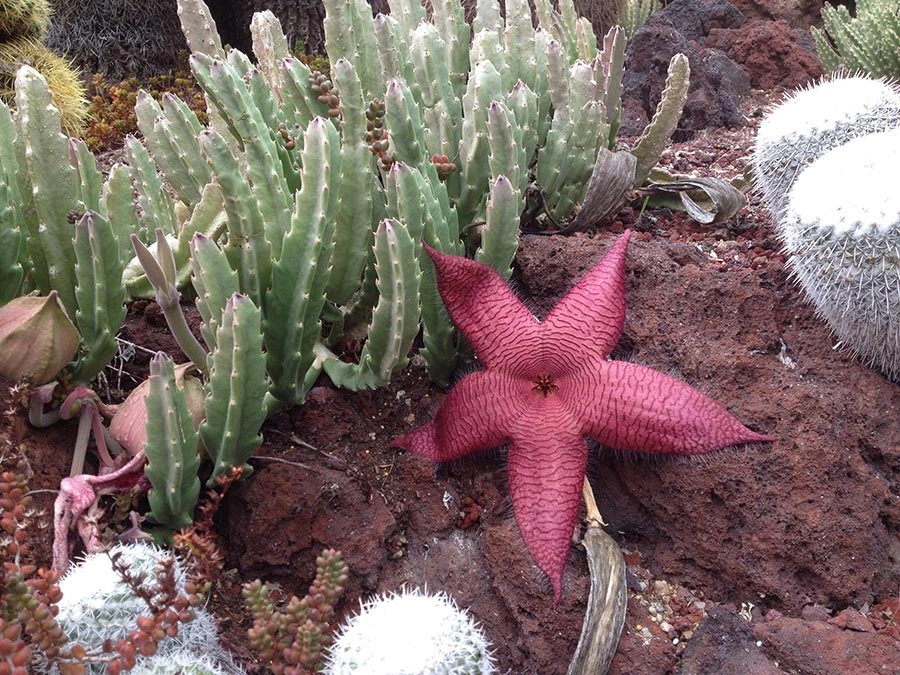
point(811, 122)
point(97, 605)
point(410, 633)
point(841, 230)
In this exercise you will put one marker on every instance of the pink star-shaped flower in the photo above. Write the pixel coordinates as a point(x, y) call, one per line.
point(548, 384)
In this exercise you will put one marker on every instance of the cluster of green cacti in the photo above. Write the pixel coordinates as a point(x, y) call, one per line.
point(297, 214)
point(23, 27)
point(634, 13)
point(99, 607)
point(866, 43)
point(465, 121)
point(842, 238)
point(63, 229)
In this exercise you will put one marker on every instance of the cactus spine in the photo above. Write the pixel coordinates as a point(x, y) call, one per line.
point(844, 245)
point(97, 606)
point(811, 122)
point(410, 632)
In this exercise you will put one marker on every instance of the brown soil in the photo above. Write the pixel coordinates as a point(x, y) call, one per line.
point(812, 519)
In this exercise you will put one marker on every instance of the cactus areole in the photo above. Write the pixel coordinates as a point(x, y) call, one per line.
point(548, 384)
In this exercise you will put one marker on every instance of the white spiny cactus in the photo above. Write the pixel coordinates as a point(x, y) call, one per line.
point(97, 605)
point(814, 120)
point(410, 633)
point(182, 662)
point(841, 229)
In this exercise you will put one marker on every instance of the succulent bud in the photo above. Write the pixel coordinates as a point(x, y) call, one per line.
point(129, 425)
point(37, 338)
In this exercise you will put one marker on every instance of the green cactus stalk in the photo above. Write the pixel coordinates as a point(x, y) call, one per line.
point(649, 147)
point(117, 202)
point(353, 234)
point(99, 293)
point(199, 28)
point(170, 132)
point(350, 34)
point(300, 275)
point(634, 13)
point(236, 405)
point(214, 282)
point(842, 245)
point(45, 150)
point(812, 121)
point(172, 458)
point(395, 319)
point(867, 43)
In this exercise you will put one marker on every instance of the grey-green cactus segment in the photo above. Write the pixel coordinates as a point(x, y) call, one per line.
point(12, 273)
point(235, 407)
point(199, 28)
point(214, 282)
point(649, 147)
point(45, 152)
point(843, 239)
point(300, 275)
point(172, 459)
point(350, 34)
point(634, 13)
point(170, 133)
point(249, 251)
point(356, 189)
point(99, 293)
point(498, 236)
point(812, 121)
point(157, 209)
point(395, 319)
point(117, 202)
point(866, 43)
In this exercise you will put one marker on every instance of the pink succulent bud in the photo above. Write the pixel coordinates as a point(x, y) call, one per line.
point(129, 425)
point(37, 339)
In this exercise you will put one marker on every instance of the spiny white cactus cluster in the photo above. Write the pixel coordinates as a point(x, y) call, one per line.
point(410, 633)
point(97, 605)
point(814, 120)
point(827, 163)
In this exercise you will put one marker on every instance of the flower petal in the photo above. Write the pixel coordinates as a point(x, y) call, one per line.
point(501, 330)
point(546, 474)
point(476, 415)
point(631, 407)
point(585, 326)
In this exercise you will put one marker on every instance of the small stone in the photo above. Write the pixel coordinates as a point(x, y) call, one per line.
point(665, 626)
point(815, 613)
point(851, 619)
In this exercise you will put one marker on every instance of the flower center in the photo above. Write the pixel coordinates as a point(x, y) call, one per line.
point(544, 384)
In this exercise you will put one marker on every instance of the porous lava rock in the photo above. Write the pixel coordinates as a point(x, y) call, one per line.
point(717, 83)
point(798, 13)
point(823, 648)
point(772, 52)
